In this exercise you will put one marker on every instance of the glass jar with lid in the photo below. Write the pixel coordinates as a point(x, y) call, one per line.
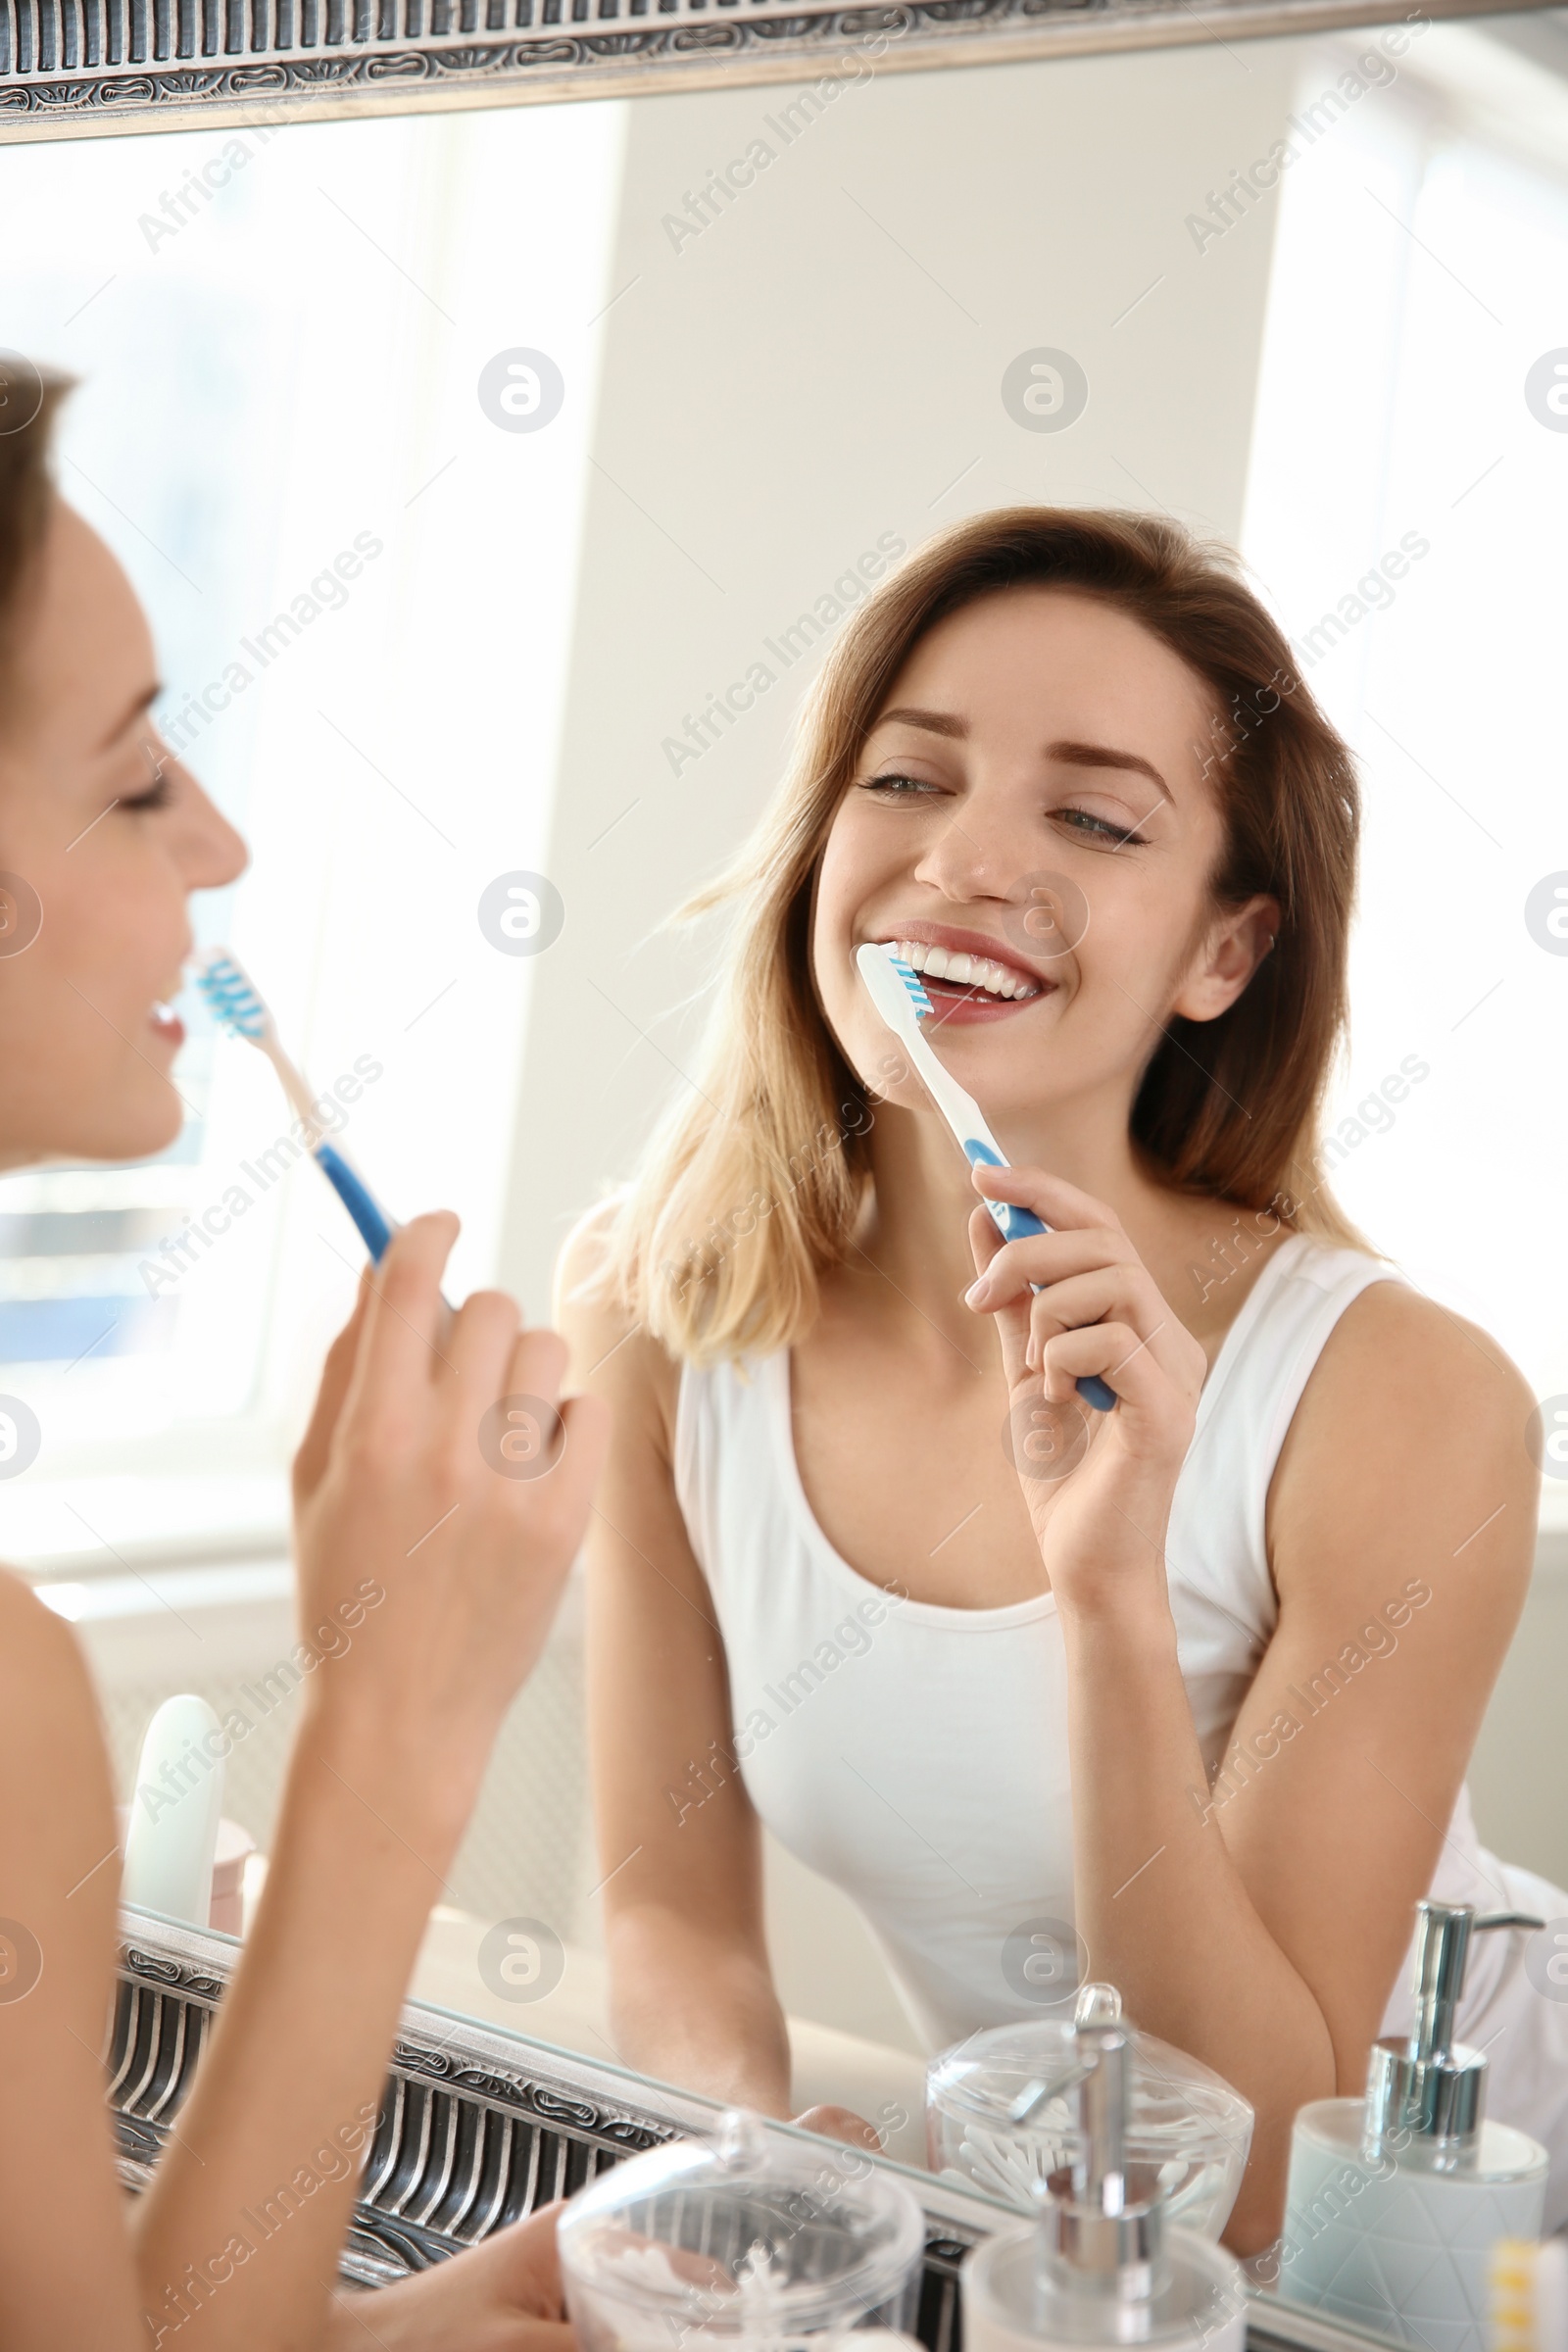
point(760, 2236)
point(1000, 2114)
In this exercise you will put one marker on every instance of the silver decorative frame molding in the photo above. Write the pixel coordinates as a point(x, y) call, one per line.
point(477, 2128)
point(74, 69)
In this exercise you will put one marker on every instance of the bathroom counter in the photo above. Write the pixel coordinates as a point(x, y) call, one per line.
point(831, 2069)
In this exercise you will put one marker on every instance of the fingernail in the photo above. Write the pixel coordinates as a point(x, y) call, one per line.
point(978, 1292)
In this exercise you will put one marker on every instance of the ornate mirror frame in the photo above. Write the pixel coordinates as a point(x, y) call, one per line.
point(70, 68)
point(479, 2128)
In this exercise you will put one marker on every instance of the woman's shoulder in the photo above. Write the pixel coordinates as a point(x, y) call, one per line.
point(1395, 1341)
point(608, 1345)
point(1413, 1407)
point(45, 1688)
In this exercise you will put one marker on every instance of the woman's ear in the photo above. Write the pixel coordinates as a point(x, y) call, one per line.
point(1227, 955)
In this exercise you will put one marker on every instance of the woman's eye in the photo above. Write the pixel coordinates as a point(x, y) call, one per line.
point(1100, 828)
point(154, 786)
point(157, 796)
point(898, 787)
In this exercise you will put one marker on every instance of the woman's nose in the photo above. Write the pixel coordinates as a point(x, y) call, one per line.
point(209, 850)
point(975, 855)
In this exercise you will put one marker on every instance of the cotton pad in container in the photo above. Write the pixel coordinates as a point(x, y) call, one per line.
point(758, 2238)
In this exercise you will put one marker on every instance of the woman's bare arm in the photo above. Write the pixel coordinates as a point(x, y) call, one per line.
point(65, 2271)
point(679, 1846)
point(449, 1573)
point(1260, 1925)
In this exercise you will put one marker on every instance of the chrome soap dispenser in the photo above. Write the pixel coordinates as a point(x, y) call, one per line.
point(1103, 2265)
point(1395, 2202)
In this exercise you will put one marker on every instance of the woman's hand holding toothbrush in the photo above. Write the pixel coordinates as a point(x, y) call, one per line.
point(434, 1534)
point(1078, 1300)
point(416, 1481)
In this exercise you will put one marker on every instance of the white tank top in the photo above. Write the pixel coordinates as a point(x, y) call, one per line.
point(917, 1754)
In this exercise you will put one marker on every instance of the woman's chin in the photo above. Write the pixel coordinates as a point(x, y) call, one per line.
point(127, 1131)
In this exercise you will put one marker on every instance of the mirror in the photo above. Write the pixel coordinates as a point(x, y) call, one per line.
point(497, 482)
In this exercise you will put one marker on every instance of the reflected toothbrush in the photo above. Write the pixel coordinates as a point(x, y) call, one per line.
point(895, 989)
point(237, 1005)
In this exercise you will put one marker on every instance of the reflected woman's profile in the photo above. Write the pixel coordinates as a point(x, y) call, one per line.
point(1182, 1695)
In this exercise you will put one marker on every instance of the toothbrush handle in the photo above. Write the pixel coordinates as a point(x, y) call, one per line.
point(375, 1230)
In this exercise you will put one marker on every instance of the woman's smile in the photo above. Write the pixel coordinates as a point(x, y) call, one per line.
point(166, 1024)
point(970, 976)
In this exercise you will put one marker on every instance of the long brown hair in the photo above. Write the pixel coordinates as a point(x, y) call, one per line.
point(750, 1189)
point(25, 488)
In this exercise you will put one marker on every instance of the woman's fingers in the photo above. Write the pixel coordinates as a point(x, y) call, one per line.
point(984, 1241)
point(1078, 1301)
point(310, 1463)
point(1040, 1259)
point(1011, 1307)
point(1121, 1356)
point(1110, 1293)
point(478, 1350)
point(1033, 1305)
point(841, 2123)
point(503, 2295)
point(1054, 1202)
point(400, 1355)
point(529, 2264)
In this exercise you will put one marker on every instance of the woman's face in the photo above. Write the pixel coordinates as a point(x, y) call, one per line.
point(1035, 796)
point(103, 836)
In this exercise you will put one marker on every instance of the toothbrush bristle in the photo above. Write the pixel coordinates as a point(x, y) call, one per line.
point(231, 995)
point(913, 984)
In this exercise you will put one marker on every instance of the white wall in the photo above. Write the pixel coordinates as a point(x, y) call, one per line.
point(797, 380)
point(777, 392)
point(819, 365)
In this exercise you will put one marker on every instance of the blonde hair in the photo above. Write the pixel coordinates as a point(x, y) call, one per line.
point(750, 1186)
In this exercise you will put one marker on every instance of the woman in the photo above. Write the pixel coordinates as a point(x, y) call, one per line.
point(109, 835)
point(1181, 1694)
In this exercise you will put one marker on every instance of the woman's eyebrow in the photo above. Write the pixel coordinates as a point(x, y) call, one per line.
point(143, 701)
point(935, 723)
point(1073, 755)
point(1099, 755)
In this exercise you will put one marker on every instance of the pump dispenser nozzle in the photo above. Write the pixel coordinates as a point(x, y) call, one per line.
point(1432, 2086)
point(1395, 2200)
point(1103, 2217)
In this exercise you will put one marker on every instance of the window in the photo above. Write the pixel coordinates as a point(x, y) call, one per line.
point(1399, 490)
point(362, 593)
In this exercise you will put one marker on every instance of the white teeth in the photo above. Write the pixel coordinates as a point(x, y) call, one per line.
point(163, 1011)
point(972, 972)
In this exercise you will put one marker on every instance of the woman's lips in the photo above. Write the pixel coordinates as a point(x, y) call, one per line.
point(165, 1022)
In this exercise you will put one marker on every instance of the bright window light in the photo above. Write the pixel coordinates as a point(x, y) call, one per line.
point(1394, 424)
point(361, 588)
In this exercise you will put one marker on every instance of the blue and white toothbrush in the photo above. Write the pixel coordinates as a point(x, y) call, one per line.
point(895, 989)
point(237, 1005)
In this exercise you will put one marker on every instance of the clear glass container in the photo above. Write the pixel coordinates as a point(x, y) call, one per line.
point(1185, 2119)
point(758, 2237)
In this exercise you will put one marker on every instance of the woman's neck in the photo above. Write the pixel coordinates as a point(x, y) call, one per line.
point(914, 1231)
point(917, 1220)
